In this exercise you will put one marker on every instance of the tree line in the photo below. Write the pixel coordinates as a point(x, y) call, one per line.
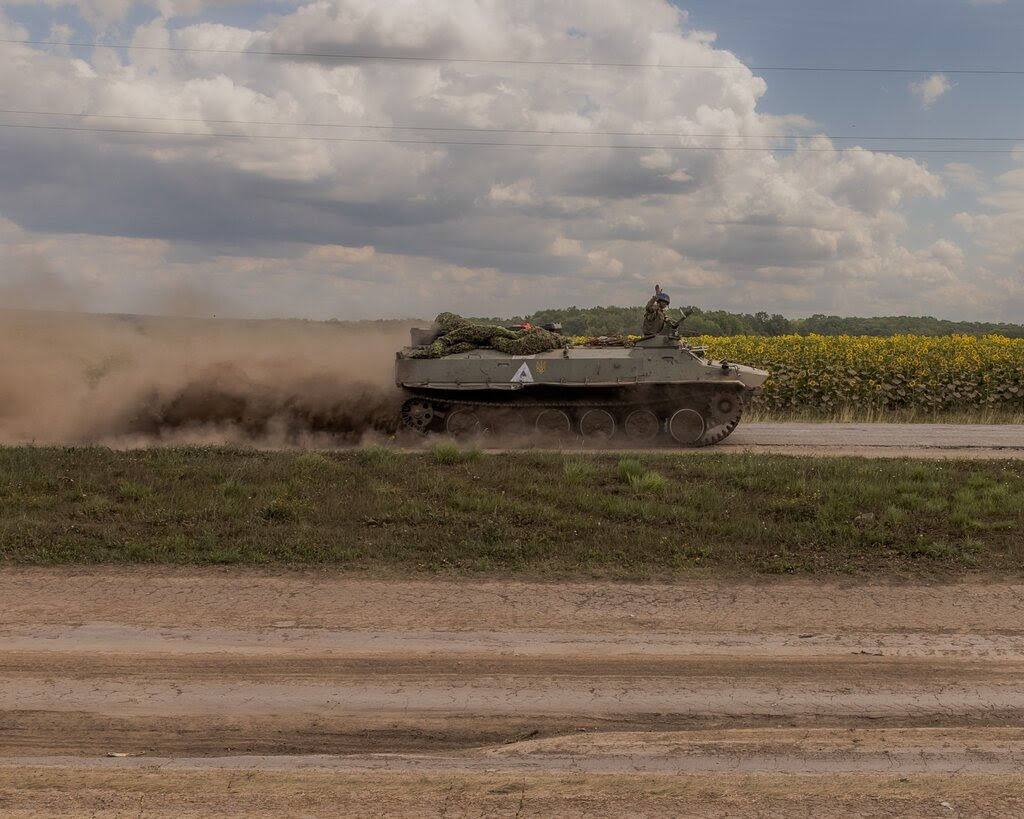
point(600, 321)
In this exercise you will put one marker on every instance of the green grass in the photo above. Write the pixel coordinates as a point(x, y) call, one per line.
point(629, 469)
point(577, 471)
point(449, 453)
point(648, 482)
point(537, 514)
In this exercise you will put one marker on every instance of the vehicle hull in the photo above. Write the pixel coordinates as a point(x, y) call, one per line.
point(590, 392)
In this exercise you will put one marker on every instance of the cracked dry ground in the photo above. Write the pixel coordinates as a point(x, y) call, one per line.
point(251, 693)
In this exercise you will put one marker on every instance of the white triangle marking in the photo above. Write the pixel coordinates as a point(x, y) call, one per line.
point(523, 375)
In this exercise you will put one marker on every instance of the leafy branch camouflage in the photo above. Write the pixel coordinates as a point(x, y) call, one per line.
point(460, 336)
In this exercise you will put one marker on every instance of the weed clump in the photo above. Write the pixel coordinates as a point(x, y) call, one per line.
point(630, 468)
point(311, 462)
point(632, 473)
point(133, 491)
point(280, 510)
point(540, 460)
point(448, 453)
point(648, 482)
point(375, 455)
point(232, 488)
point(576, 472)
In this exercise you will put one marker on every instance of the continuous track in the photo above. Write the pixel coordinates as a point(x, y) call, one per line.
point(692, 417)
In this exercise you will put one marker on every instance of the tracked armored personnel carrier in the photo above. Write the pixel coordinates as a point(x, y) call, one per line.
point(657, 389)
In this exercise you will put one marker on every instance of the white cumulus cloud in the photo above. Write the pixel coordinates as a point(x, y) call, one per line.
point(323, 184)
point(930, 89)
point(103, 12)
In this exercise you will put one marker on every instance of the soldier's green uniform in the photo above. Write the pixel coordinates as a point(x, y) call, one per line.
point(654, 318)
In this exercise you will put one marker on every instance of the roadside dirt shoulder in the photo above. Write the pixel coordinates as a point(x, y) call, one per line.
point(174, 691)
point(256, 599)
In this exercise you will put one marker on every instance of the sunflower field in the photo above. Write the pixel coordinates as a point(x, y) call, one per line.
point(921, 373)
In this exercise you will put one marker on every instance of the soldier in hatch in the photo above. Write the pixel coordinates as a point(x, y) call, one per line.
point(655, 320)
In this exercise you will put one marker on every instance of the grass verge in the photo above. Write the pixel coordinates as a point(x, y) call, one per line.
point(518, 513)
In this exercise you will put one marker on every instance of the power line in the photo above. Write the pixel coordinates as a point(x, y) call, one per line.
point(551, 132)
point(729, 148)
point(490, 61)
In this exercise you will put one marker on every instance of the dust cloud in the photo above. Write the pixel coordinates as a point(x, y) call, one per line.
point(72, 378)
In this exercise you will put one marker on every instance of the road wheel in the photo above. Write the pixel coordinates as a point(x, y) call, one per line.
point(641, 425)
point(686, 426)
point(553, 423)
point(463, 423)
point(597, 425)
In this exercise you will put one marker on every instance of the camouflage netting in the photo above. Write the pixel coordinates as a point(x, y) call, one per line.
point(461, 336)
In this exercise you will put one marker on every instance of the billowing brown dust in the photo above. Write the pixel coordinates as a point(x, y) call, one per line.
point(75, 378)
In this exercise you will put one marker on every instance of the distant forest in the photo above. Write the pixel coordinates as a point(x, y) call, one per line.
point(598, 321)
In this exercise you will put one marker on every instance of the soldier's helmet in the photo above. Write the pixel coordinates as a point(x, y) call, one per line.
point(664, 297)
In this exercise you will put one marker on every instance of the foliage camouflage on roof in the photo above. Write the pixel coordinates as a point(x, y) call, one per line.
point(461, 336)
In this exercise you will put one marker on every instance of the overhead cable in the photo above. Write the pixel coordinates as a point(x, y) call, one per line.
point(410, 58)
point(538, 131)
point(482, 143)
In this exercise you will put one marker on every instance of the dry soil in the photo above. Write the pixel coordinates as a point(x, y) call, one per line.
point(176, 692)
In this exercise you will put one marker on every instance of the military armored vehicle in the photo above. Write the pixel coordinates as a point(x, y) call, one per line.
point(656, 389)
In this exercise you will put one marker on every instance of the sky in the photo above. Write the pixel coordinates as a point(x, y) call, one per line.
point(709, 146)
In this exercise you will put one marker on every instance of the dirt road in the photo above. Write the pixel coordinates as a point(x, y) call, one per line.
point(246, 693)
point(970, 441)
point(880, 440)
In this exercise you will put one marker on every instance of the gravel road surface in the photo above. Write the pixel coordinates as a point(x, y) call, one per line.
point(880, 440)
